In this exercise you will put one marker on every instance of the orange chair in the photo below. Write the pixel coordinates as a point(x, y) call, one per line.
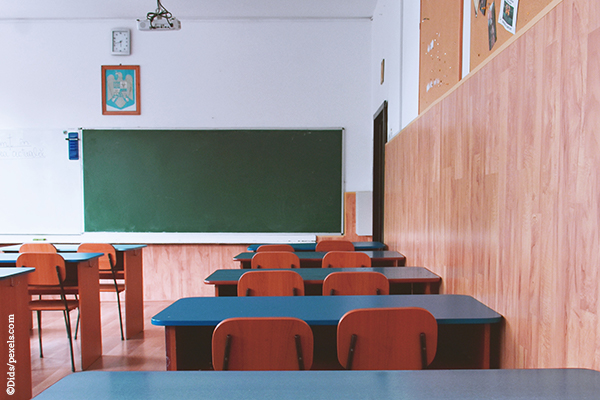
point(37, 248)
point(356, 283)
point(262, 344)
point(107, 271)
point(275, 259)
point(343, 259)
point(275, 247)
point(271, 283)
point(335, 245)
point(49, 275)
point(40, 247)
point(387, 338)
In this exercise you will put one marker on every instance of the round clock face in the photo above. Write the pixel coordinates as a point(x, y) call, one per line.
point(120, 42)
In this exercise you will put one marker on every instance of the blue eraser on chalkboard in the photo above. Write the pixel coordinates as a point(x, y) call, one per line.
point(73, 138)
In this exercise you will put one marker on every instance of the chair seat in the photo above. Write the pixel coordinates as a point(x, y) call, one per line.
point(52, 305)
point(110, 287)
point(108, 275)
point(37, 290)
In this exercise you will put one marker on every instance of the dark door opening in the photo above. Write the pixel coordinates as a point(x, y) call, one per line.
point(379, 141)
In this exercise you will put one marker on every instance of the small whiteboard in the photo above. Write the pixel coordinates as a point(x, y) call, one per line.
point(42, 188)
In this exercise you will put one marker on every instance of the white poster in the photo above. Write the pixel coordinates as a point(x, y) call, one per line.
point(508, 15)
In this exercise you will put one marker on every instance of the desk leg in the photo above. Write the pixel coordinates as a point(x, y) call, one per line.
point(427, 288)
point(14, 337)
point(89, 305)
point(134, 293)
point(171, 347)
point(486, 349)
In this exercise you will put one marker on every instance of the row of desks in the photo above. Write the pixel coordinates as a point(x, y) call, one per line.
point(313, 259)
point(465, 335)
point(225, 280)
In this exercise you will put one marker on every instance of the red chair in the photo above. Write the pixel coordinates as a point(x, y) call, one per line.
point(37, 248)
point(274, 260)
point(343, 259)
point(356, 283)
point(109, 275)
point(271, 283)
point(387, 339)
point(275, 247)
point(262, 344)
point(49, 279)
point(334, 245)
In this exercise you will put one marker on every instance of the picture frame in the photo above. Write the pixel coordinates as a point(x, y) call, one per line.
point(121, 90)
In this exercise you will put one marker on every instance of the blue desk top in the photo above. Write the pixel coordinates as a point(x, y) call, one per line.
point(10, 259)
point(311, 246)
point(405, 274)
point(70, 248)
point(320, 310)
point(500, 384)
point(9, 272)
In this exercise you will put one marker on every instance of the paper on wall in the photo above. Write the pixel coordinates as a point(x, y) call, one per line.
point(508, 15)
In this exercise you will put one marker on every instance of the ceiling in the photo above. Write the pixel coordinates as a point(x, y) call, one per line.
point(187, 9)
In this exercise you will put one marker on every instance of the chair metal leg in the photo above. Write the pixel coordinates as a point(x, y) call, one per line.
point(68, 326)
point(119, 306)
point(77, 324)
point(39, 321)
point(67, 317)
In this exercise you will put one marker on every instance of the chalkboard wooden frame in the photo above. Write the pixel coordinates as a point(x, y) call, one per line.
point(213, 181)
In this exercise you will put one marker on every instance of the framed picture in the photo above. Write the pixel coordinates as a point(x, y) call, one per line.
point(121, 90)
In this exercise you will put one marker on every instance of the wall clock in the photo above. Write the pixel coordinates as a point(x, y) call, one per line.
point(120, 42)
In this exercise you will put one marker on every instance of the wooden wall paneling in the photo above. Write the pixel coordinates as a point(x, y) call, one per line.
point(496, 188)
point(175, 271)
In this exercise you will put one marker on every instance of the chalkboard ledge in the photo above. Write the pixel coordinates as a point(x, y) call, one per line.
point(168, 238)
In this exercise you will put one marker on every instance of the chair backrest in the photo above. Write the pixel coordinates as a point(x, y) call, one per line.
point(275, 247)
point(262, 344)
point(334, 245)
point(387, 338)
point(356, 283)
point(104, 262)
point(37, 248)
point(275, 259)
point(45, 265)
point(271, 283)
point(343, 259)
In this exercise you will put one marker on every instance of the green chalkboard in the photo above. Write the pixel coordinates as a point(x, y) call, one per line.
point(243, 181)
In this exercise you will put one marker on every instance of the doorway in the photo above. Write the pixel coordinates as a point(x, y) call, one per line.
point(379, 141)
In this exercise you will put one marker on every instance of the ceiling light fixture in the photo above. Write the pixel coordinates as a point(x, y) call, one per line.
point(159, 20)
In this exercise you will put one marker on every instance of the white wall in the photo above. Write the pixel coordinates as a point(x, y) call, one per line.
point(386, 45)
point(210, 74)
point(396, 39)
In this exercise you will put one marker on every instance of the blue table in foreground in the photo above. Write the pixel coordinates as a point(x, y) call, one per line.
point(312, 246)
point(464, 325)
point(312, 259)
point(82, 268)
point(501, 384)
point(129, 260)
point(14, 335)
point(401, 280)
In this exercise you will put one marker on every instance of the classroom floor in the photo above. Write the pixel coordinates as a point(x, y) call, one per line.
point(145, 352)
